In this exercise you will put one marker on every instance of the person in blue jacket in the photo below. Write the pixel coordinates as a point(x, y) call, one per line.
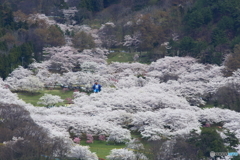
point(96, 87)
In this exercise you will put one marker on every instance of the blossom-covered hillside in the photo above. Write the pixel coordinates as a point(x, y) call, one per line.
point(159, 100)
point(164, 101)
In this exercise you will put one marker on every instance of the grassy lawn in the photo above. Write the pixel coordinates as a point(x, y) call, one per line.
point(34, 98)
point(118, 56)
point(101, 148)
point(208, 106)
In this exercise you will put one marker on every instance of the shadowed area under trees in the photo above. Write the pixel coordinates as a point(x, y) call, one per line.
point(202, 29)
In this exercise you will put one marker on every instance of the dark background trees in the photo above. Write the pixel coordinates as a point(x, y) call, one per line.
point(21, 41)
point(206, 30)
point(213, 23)
point(83, 40)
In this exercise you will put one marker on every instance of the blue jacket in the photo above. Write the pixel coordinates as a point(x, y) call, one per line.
point(96, 87)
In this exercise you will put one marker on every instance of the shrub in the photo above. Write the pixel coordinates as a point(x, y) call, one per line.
point(77, 140)
point(89, 138)
point(102, 138)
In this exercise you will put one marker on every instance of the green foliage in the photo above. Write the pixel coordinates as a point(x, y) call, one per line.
point(83, 14)
point(152, 2)
point(194, 19)
point(96, 5)
point(218, 37)
point(208, 141)
point(120, 56)
point(207, 15)
point(218, 7)
point(7, 19)
point(18, 55)
point(212, 27)
point(139, 4)
point(236, 158)
point(2, 31)
point(107, 3)
point(235, 41)
point(61, 4)
point(231, 139)
point(226, 23)
point(67, 32)
point(6, 15)
point(92, 5)
point(186, 46)
point(3, 46)
point(198, 17)
point(11, 49)
point(209, 55)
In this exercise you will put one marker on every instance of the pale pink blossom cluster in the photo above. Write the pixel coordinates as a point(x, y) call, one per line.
point(77, 140)
point(89, 138)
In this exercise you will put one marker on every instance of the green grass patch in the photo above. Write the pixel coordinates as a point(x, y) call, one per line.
point(208, 106)
point(118, 56)
point(145, 58)
point(34, 98)
point(102, 148)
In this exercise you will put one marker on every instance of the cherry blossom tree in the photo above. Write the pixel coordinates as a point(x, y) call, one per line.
point(146, 123)
point(138, 148)
point(30, 84)
point(135, 99)
point(8, 97)
point(89, 138)
point(196, 81)
point(102, 138)
point(135, 144)
point(89, 67)
point(19, 73)
point(119, 154)
point(119, 136)
point(132, 42)
point(82, 152)
point(64, 58)
point(77, 140)
point(49, 100)
point(49, 79)
point(107, 34)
